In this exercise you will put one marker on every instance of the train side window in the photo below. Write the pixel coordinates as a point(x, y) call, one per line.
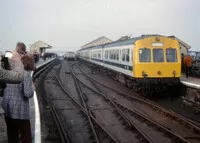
point(117, 52)
point(111, 53)
point(99, 55)
point(131, 54)
point(106, 54)
point(171, 55)
point(127, 55)
point(158, 55)
point(123, 55)
point(144, 55)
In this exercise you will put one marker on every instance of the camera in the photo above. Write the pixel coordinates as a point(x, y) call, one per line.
point(4, 60)
point(4, 63)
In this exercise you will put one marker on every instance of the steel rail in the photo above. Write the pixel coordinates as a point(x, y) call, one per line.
point(86, 108)
point(61, 130)
point(151, 122)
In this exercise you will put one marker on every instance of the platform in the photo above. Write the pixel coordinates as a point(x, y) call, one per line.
point(192, 82)
point(35, 116)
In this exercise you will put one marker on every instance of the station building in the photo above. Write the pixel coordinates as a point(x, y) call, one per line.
point(40, 47)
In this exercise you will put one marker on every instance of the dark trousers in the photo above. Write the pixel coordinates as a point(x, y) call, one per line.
point(16, 126)
point(187, 71)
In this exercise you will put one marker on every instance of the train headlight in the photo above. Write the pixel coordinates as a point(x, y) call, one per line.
point(144, 74)
point(174, 73)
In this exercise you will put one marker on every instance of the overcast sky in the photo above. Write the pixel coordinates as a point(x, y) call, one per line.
point(73, 23)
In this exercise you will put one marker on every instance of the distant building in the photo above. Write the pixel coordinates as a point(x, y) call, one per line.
point(40, 47)
point(98, 41)
point(124, 38)
point(184, 47)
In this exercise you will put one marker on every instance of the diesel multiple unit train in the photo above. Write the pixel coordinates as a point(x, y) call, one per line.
point(148, 63)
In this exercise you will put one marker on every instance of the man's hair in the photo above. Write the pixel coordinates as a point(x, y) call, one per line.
point(28, 61)
point(21, 48)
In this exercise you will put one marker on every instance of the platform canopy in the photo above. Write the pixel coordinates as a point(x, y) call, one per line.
point(40, 47)
point(184, 47)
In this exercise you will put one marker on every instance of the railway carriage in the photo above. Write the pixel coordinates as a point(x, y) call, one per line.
point(70, 56)
point(148, 63)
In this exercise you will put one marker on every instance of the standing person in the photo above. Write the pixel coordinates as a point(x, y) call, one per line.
point(182, 64)
point(16, 105)
point(187, 61)
point(20, 48)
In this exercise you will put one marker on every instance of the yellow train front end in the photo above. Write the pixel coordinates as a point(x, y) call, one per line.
point(157, 61)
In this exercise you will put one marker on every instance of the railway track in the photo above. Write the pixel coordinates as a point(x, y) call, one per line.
point(137, 121)
point(121, 130)
point(61, 136)
point(179, 121)
point(99, 133)
point(68, 126)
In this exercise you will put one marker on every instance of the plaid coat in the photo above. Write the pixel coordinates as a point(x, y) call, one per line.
point(16, 98)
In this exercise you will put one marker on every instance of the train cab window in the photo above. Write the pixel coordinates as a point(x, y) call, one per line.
point(127, 55)
point(171, 55)
point(123, 55)
point(144, 55)
point(158, 55)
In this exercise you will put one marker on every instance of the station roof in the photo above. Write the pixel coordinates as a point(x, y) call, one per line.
point(181, 42)
point(39, 44)
point(99, 41)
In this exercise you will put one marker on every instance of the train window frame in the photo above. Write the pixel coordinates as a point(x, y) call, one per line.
point(127, 53)
point(176, 57)
point(123, 55)
point(157, 57)
point(140, 51)
point(117, 53)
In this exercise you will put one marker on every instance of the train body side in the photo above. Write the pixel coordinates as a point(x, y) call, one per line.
point(152, 59)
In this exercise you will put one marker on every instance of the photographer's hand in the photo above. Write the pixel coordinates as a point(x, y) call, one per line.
point(15, 57)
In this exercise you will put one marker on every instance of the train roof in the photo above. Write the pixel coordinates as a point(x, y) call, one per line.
point(120, 43)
